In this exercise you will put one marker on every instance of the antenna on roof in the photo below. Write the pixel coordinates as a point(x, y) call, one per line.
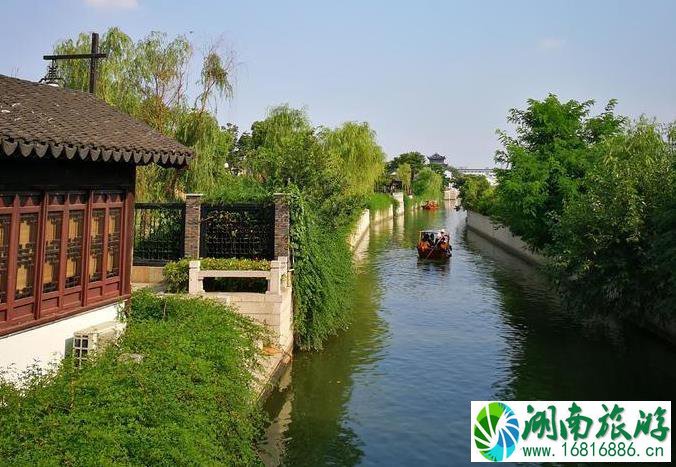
point(52, 78)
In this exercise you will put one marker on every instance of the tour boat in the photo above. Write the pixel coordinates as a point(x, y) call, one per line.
point(434, 245)
point(430, 205)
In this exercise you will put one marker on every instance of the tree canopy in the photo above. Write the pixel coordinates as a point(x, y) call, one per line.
point(617, 234)
point(404, 175)
point(361, 158)
point(414, 159)
point(427, 184)
point(149, 80)
point(555, 143)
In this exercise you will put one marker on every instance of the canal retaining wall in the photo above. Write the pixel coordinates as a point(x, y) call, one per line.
point(502, 236)
point(399, 198)
point(369, 218)
point(382, 215)
point(360, 229)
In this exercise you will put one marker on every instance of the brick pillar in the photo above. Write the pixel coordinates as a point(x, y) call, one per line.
point(193, 205)
point(282, 225)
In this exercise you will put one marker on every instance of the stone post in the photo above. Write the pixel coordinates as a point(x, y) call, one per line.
point(282, 225)
point(195, 284)
point(274, 283)
point(193, 209)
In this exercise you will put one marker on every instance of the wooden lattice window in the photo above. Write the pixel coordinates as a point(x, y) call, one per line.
point(52, 263)
point(96, 244)
point(59, 253)
point(114, 242)
point(75, 244)
point(25, 258)
point(5, 220)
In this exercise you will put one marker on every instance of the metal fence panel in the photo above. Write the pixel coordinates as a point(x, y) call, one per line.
point(159, 230)
point(237, 230)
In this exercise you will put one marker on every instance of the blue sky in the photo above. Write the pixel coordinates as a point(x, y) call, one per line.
point(432, 76)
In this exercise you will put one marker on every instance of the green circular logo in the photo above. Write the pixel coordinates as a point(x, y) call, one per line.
point(496, 431)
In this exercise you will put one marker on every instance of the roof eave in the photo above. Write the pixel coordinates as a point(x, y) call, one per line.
point(14, 148)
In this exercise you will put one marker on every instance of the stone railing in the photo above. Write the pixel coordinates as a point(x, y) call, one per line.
point(278, 272)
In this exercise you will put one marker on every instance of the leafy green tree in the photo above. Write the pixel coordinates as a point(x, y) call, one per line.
point(441, 170)
point(476, 193)
point(404, 175)
point(455, 173)
point(148, 79)
point(335, 169)
point(427, 184)
point(285, 150)
point(362, 160)
point(555, 144)
point(415, 159)
point(175, 407)
point(615, 245)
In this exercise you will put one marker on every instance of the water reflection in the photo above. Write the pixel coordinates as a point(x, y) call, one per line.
point(558, 355)
point(427, 338)
point(311, 421)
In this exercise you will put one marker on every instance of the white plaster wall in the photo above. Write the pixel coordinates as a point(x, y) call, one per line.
point(46, 345)
point(503, 237)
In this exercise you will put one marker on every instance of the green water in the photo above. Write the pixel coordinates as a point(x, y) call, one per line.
point(426, 339)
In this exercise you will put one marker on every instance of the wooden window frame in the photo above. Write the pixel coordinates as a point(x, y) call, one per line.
point(43, 306)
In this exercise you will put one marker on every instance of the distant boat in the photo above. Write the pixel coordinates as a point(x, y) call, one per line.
point(434, 245)
point(431, 205)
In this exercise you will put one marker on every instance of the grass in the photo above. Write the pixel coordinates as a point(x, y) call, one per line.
point(380, 201)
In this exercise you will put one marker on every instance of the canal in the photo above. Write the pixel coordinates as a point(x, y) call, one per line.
point(426, 339)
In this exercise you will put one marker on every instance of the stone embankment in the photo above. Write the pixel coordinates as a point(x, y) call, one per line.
point(503, 237)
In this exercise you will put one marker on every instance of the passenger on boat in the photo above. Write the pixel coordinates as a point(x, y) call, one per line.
point(429, 238)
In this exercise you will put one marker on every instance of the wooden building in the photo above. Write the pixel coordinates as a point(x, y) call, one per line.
point(67, 175)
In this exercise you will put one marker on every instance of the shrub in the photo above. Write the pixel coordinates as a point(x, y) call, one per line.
point(176, 272)
point(190, 400)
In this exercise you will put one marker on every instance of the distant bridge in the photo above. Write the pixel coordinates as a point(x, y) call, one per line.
point(486, 172)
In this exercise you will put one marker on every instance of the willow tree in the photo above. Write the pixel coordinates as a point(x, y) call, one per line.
point(149, 79)
point(428, 184)
point(284, 150)
point(404, 175)
point(362, 160)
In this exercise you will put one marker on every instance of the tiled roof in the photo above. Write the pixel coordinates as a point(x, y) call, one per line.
point(37, 119)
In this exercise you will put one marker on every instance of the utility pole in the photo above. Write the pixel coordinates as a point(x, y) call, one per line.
point(93, 58)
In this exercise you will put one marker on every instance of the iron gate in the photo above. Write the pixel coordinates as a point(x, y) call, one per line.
point(237, 230)
point(159, 230)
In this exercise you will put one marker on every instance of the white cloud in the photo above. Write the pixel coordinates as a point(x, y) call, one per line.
point(123, 4)
point(551, 43)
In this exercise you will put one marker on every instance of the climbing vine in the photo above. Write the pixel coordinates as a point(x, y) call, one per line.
point(323, 275)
